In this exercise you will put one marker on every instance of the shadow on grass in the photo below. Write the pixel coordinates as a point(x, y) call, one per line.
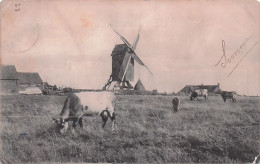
point(241, 152)
point(50, 131)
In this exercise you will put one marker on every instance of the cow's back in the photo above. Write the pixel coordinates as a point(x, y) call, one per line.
point(202, 92)
point(97, 101)
point(226, 94)
point(205, 92)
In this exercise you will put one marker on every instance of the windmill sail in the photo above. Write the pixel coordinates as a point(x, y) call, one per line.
point(121, 37)
point(135, 43)
point(136, 58)
point(124, 66)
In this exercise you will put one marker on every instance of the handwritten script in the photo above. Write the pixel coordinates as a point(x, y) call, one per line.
point(224, 61)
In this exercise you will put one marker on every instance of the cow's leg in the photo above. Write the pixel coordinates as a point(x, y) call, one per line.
point(113, 119)
point(81, 122)
point(104, 116)
point(74, 124)
point(225, 99)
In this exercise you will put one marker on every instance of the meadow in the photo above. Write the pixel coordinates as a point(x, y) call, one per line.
point(147, 130)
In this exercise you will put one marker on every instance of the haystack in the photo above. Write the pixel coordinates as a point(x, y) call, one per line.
point(139, 86)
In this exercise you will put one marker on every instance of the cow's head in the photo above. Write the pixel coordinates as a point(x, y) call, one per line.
point(62, 125)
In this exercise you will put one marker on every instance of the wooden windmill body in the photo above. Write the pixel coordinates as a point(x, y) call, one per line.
point(123, 57)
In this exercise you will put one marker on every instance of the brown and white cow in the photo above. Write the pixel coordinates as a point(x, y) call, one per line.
point(82, 104)
point(199, 93)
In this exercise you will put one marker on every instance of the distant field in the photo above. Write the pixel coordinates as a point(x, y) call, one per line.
point(147, 131)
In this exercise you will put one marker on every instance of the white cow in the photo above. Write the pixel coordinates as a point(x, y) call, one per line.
point(82, 104)
point(199, 93)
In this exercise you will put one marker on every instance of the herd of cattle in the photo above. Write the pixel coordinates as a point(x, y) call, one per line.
point(204, 93)
point(102, 103)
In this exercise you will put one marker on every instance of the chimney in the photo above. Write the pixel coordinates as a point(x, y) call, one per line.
point(218, 85)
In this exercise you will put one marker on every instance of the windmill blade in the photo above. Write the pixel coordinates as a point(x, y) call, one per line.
point(124, 66)
point(136, 58)
point(136, 41)
point(121, 37)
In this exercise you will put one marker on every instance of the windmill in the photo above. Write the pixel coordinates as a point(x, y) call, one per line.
point(123, 57)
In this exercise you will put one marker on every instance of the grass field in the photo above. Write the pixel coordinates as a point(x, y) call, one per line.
point(146, 131)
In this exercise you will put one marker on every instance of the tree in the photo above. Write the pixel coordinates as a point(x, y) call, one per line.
point(67, 90)
point(55, 87)
point(154, 92)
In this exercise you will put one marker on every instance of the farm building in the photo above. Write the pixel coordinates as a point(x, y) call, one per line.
point(28, 78)
point(29, 83)
point(13, 82)
point(9, 81)
point(188, 89)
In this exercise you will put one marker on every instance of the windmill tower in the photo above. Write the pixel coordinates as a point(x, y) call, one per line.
point(123, 58)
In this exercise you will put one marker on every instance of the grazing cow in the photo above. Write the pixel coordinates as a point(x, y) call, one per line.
point(199, 93)
point(228, 95)
point(234, 98)
point(175, 104)
point(82, 104)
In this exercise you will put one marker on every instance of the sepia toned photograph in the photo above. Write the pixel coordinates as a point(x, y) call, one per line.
point(141, 81)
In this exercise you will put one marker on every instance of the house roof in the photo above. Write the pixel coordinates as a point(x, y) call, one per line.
point(29, 78)
point(210, 88)
point(8, 72)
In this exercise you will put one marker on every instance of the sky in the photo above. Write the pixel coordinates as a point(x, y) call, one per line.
point(70, 42)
